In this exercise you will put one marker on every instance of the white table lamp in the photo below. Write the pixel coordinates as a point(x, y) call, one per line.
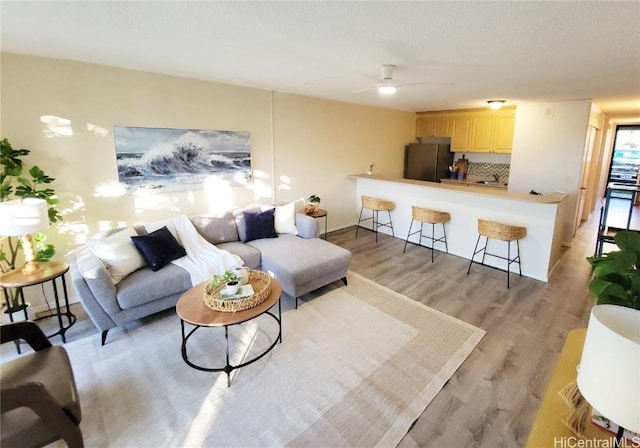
point(22, 218)
point(609, 372)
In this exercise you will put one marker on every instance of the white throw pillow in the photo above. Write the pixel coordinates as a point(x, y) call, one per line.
point(284, 218)
point(118, 253)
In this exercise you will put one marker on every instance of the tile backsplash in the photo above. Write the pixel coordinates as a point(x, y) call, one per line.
point(481, 169)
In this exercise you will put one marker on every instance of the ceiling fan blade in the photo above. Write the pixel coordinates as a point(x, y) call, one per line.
point(431, 83)
point(365, 89)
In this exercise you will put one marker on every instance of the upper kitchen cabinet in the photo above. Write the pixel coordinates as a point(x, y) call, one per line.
point(482, 133)
point(492, 131)
point(505, 123)
point(472, 130)
point(433, 125)
point(461, 135)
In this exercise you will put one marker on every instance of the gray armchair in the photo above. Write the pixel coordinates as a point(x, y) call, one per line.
point(39, 398)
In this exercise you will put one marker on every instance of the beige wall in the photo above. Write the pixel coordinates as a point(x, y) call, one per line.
point(319, 142)
point(548, 148)
point(313, 144)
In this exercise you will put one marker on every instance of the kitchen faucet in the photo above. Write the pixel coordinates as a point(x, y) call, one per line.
point(496, 177)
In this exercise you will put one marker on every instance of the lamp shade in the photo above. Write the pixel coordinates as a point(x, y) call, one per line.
point(23, 217)
point(609, 372)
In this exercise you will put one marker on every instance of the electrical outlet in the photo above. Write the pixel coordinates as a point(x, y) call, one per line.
point(548, 111)
point(570, 179)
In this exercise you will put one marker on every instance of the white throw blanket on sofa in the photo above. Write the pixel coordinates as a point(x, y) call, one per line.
point(203, 259)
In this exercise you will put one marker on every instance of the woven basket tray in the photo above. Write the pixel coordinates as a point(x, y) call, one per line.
point(261, 284)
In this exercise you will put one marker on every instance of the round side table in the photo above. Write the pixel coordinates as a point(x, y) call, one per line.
point(49, 272)
point(321, 213)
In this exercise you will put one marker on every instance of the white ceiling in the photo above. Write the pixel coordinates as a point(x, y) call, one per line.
point(462, 53)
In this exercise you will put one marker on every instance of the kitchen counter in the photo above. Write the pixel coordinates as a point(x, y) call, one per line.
point(470, 186)
point(476, 182)
point(466, 202)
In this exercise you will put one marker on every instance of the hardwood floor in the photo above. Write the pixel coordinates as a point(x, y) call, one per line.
point(492, 399)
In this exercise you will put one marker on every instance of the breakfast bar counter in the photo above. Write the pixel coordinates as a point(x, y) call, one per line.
point(542, 215)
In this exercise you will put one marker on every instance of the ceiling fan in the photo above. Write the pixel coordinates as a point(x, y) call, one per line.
point(386, 85)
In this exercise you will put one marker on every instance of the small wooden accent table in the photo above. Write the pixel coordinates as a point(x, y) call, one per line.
point(321, 213)
point(548, 429)
point(192, 309)
point(49, 271)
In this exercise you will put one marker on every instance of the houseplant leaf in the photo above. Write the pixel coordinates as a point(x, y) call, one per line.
point(616, 278)
point(628, 241)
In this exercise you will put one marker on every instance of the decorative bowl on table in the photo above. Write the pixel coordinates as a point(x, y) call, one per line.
point(216, 299)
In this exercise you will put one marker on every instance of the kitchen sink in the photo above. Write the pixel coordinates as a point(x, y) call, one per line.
point(491, 182)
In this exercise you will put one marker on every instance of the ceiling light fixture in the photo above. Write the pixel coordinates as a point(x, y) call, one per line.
point(386, 89)
point(496, 104)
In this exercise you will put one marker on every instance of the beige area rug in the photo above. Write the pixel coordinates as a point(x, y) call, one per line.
point(356, 367)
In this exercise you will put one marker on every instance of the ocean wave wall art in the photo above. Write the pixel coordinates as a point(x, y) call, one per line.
point(163, 160)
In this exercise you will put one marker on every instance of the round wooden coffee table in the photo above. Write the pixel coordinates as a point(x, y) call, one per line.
point(192, 310)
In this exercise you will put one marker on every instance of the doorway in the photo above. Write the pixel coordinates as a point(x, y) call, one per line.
point(625, 160)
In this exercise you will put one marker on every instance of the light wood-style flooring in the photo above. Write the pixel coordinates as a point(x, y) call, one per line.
point(492, 399)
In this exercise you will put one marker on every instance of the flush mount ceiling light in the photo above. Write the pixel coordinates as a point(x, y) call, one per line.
point(496, 104)
point(386, 88)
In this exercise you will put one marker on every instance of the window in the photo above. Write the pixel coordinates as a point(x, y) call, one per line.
point(626, 157)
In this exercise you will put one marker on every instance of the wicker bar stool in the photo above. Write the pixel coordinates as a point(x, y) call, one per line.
point(502, 232)
point(375, 205)
point(433, 217)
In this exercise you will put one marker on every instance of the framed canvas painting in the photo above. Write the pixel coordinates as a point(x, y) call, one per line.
point(163, 159)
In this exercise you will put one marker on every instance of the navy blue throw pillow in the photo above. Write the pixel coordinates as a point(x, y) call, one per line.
point(259, 225)
point(158, 248)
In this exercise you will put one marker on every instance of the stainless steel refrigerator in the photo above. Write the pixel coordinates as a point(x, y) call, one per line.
point(427, 161)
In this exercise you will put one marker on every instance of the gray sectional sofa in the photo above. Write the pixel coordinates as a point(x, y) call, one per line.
point(301, 264)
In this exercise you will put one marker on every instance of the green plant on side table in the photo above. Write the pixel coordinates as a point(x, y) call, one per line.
point(16, 184)
point(313, 205)
point(616, 277)
point(314, 199)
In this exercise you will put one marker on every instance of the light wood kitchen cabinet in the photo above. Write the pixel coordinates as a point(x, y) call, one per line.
point(482, 140)
point(425, 126)
point(433, 126)
point(442, 127)
point(471, 130)
point(461, 135)
point(503, 133)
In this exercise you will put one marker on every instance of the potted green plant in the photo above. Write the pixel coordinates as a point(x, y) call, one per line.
point(222, 279)
point(15, 183)
point(616, 277)
point(313, 205)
